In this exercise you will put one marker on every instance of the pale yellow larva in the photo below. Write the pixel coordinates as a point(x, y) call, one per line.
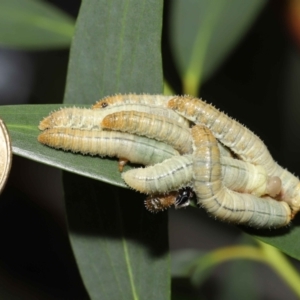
point(88, 119)
point(146, 100)
point(240, 140)
point(223, 203)
point(175, 172)
point(160, 128)
point(108, 143)
point(5, 155)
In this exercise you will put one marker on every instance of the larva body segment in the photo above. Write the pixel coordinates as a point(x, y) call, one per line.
point(149, 102)
point(237, 175)
point(152, 126)
point(170, 175)
point(108, 143)
point(244, 177)
point(225, 204)
point(240, 140)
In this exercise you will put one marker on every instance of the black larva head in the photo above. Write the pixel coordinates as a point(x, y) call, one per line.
point(183, 197)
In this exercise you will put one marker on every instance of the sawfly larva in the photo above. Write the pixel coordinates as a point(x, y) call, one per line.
point(108, 143)
point(248, 146)
point(5, 155)
point(223, 203)
point(146, 100)
point(175, 172)
point(88, 119)
point(152, 126)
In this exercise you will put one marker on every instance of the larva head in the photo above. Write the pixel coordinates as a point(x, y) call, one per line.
point(183, 198)
point(157, 203)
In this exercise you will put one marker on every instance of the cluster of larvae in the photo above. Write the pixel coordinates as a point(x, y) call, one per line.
point(188, 148)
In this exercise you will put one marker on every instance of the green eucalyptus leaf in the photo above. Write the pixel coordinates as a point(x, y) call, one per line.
point(284, 239)
point(22, 122)
point(121, 249)
point(34, 24)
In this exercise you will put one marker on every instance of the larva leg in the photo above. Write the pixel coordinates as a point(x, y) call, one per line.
point(223, 203)
point(240, 140)
point(108, 143)
point(162, 129)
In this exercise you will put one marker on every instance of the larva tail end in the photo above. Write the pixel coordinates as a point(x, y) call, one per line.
point(107, 122)
point(273, 186)
point(43, 138)
point(45, 123)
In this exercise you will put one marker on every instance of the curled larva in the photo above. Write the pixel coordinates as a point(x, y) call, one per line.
point(248, 146)
point(175, 172)
point(223, 203)
point(108, 143)
point(5, 155)
point(159, 202)
point(162, 129)
point(148, 101)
